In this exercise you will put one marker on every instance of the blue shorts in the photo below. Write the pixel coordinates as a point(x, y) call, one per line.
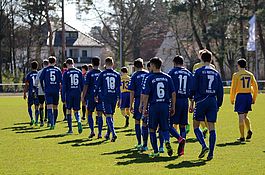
point(73, 101)
point(159, 116)
point(243, 103)
point(181, 114)
point(136, 114)
point(52, 98)
point(206, 108)
point(33, 99)
point(92, 105)
point(109, 107)
point(125, 100)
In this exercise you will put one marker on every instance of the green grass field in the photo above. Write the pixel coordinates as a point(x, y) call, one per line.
point(31, 150)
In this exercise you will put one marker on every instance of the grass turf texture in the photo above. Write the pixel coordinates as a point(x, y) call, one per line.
point(31, 150)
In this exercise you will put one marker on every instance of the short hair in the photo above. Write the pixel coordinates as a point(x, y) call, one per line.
point(69, 61)
point(45, 62)
point(138, 63)
point(90, 66)
point(84, 66)
point(206, 56)
point(34, 65)
point(64, 65)
point(124, 70)
point(95, 61)
point(156, 61)
point(242, 63)
point(52, 59)
point(109, 61)
point(148, 64)
point(178, 59)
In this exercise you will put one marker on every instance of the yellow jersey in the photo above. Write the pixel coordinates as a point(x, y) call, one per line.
point(243, 81)
point(125, 79)
point(199, 65)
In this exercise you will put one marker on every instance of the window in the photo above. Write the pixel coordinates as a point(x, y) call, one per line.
point(84, 53)
point(74, 53)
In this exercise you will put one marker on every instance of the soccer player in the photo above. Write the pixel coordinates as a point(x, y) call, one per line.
point(135, 87)
point(51, 76)
point(182, 79)
point(197, 66)
point(89, 92)
point(158, 88)
point(41, 94)
point(32, 90)
point(90, 67)
point(64, 69)
point(243, 84)
point(124, 102)
point(208, 96)
point(84, 72)
point(72, 86)
point(109, 82)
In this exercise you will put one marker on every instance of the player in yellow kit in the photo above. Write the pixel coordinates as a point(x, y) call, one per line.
point(243, 93)
point(124, 102)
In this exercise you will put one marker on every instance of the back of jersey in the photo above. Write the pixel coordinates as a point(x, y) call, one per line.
point(30, 79)
point(159, 87)
point(182, 79)
point(136, 82)
point(91, 82)
point(125, 79)
point(52, 77)
point(73, 81)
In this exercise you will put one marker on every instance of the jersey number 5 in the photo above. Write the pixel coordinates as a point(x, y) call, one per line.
point(52, 76)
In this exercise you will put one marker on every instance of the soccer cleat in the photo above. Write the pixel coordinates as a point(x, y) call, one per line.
point(144, 148)
point(203, 152)
point(69, 132)
point(161, 150)
point(249, 135)
point(187, 128)
point(45, 120)
point(181, 147)
point(138, 147)
point(241, 139)
point(209, 157)
point(114, 138)
point(99, 136)
point(36, 123)
point(153, 155)
point(91, 135)
point(205, 131)
point(126, 122)
point(106, 137)
point(169, 149)
point(84, 118)
point(52, 127)
point(41, 124)
point(65, 119)
point(31, 122)
point(80, 128)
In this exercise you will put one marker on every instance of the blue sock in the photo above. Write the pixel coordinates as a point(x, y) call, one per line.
point(69, 121)
point(30, 113)
point(100, 125)
point(77, 117)
point(154, 141)
point(90, 122)
point(199, 137)
point(111, 125)
point(212, 140)
point(174, 132)
point(161, 139)
point(41, 114)
point(166, 135)
point(108, 130)
point(50, 116)
point(37, 115)
point(138, 133)
point(183, 132)
point(145, 135)
point(55, 113)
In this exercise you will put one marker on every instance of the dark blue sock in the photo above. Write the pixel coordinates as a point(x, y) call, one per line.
point(161, 139)
point(41, 114)
point(111, 125)
point(183, 132)
point(30, 113)
point(154, 141)
point(77, 117)
point(37, 115)
point(166, 135)
point(138, 133)
point(174, 132)
point(212, 140)
point(90, 122)
point(100, 125)
point(145, 135)
point(55, 113)
point(69, 121)
point(199, 137)
point(50, 116)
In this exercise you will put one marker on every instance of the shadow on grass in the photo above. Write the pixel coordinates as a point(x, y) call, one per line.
point(187, 164)
point(126, 130)
point(51, 136)
point(236, 143)
point(125, 151)
point(90, 144)
point(22, 123)
point(32, 131)
point(191, 140)
point(17, 128)
point(76, 141)
point(130, 134)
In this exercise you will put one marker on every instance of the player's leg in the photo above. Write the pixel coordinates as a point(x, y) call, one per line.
point(69, 121)
point(90, 109)
point(83, 111)
point(137, 118)
point(55, 107)
point(127, 117)
point(37, 112)
point(161, 141)
point(46, 113)
point(30, 103)
point(248, 126)
point(145, 133)
point(241, 124)
point(153, 124)
point(100, 123)
point(41, 101)
point(212, 139)
point(76, 99)
point(109, 111)
point(64, 112)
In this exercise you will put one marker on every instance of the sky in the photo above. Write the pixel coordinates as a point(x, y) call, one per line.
point(88, 20)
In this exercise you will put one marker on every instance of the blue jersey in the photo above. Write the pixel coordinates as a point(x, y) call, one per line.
point(109, 82)
point(30, 79)
point(207, 82)
point(51, 76)
point(159, 87)
point(91, 82)
point(72, 82)
point(136, 82)
point(182, 79)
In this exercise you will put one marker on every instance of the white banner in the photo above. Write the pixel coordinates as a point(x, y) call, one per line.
point(251, 45)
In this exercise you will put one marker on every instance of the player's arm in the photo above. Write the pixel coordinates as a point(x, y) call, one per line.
point(173, 103)
point(118, 91)
point(85, 88)
point(255, 88)
point(233, 89)
point(64, 86)
point(131, 87)
point(220, 92)
point(145, 103)
point(144, 96)
point(26, 88)
point(98, 86)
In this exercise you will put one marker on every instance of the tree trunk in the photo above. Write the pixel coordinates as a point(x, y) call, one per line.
point(241, 33)
point(49, 27)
